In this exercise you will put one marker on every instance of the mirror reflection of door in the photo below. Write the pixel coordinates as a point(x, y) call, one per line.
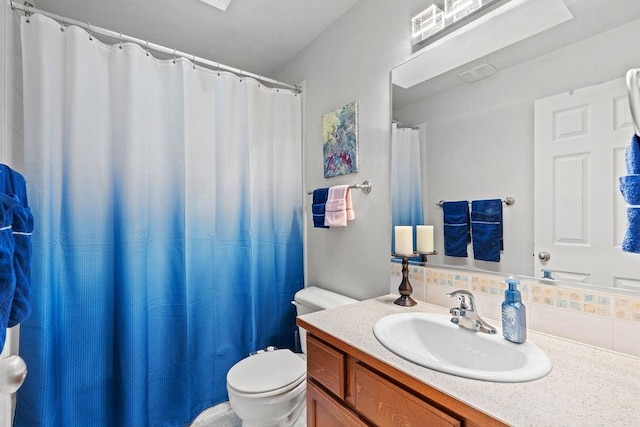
point(580, 216)
point(406, 177)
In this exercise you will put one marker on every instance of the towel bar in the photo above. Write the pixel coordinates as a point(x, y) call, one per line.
point(508, 201)
point(365, 187)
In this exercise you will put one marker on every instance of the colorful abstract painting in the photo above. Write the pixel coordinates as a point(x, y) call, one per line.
point(340, 137)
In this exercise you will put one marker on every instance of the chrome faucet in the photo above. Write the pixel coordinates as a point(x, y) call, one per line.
point(466, 316)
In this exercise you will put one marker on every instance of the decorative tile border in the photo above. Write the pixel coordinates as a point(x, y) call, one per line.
point(576, 300)
point(396, 269)
point(416, 273)
point(627, 309)
point(587, 302)
point(487, 285)
point(447, 278)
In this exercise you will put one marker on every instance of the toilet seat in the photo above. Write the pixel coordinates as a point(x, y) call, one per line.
point(267, 374)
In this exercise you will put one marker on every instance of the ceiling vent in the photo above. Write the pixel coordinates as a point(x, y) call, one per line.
point(480, 72)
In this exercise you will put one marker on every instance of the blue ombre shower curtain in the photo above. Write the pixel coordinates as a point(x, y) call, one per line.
point(406, 178)
point(168, 245)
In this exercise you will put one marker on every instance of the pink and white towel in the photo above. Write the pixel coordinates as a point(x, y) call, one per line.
point(338, 209)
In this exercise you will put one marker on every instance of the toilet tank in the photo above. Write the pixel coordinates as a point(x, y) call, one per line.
point(311, 299)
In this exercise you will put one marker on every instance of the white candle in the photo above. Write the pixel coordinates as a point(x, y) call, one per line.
point(404, 239)
point(424, 238)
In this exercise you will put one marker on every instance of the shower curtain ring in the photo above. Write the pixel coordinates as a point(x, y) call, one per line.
point(90, 35)
point(147, 48)
point(62, 23)
point(174, 55)
point(120, 38)
point(27, 14)
point(218, 68)
point(193, 61)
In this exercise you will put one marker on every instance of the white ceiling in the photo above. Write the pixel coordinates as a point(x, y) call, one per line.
point(259, 36)
point(590, 17)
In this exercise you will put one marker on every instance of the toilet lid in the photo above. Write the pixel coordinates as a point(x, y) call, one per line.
point(266, 371)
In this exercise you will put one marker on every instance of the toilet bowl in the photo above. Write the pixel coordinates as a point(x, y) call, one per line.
point(268, 389)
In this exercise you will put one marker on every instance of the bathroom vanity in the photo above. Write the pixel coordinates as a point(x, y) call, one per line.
point(353, 380)
point(359, 387)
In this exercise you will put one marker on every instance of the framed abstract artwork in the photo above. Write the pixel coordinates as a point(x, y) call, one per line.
point(340, 140)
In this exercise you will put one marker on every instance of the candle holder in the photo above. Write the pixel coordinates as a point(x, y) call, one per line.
point(423, 256)
point(405, 289)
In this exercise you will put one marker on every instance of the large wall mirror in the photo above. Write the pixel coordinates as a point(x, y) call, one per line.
point(546, 121)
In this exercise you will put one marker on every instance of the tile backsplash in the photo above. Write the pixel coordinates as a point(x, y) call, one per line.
point(604, 320)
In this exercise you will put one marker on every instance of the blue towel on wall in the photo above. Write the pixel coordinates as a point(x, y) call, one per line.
point(632, 156)
point(630, 189)
point(486, 229)
point(318, 206)
point(22, 228)
point(13, 185)
point(7, 275)
point(456, 228)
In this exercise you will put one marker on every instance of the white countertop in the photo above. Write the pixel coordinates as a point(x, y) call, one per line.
point(587, 386)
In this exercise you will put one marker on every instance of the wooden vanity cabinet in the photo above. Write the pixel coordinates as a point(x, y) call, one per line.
point(346, 387)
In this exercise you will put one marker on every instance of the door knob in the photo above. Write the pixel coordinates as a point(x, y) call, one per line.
point(544, 256)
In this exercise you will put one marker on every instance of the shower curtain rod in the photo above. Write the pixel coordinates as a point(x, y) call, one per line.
point(28, 9)
point(401, 125)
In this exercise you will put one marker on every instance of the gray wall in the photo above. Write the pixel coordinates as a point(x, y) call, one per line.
point(351, 61)
point(480, 135)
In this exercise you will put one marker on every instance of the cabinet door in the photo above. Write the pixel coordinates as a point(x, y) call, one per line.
point(324, 411)
point(326, 365)
point(386, 404)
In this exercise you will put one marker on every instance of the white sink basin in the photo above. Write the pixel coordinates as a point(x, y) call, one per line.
point(431, 340)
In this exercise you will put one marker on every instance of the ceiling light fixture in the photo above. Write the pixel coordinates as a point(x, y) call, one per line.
point(513, 21)
point(431, 23)
point(220, 4)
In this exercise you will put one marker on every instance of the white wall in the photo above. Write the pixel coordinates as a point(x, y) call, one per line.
point(352, 60)
point(480, 135)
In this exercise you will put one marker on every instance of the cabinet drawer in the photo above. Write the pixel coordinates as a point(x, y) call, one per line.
point(326, 365)
point(325, 411)
point(384, 403)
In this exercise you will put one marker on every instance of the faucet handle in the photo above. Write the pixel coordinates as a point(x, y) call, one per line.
point(459, 292)
point(462, 297)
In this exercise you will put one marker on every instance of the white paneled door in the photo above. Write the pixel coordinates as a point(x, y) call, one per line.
point(580, 216)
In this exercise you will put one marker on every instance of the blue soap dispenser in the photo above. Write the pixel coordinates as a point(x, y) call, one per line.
point(514, 319)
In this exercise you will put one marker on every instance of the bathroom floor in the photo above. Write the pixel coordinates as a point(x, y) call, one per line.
point(220, 415)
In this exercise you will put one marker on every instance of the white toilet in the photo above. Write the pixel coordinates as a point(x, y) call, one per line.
point(269, 388)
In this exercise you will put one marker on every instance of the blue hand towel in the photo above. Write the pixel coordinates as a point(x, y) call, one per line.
point(7, 275)
point(630, 189)
point(632, 156)
point(22, 225)
point(631, 241)
point(318, 206)
point(14, 185)
point(486, 229)
point(456, 228)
